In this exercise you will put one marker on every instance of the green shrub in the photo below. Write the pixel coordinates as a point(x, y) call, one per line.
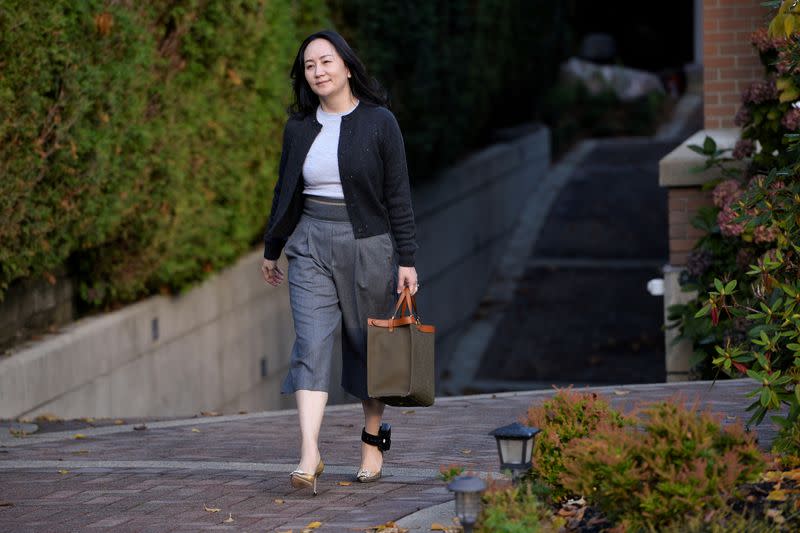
point(745, 319)
point(139, 140)
point(567, 416)
point(512, 510)
point(677, 464)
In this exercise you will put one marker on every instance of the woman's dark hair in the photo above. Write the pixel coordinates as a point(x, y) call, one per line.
point(363, 86)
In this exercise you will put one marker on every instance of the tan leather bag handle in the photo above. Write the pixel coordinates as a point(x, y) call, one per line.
point(406, 304)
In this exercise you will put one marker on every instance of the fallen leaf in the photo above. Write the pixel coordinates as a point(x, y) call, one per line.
point(778, 495)
point(776, 515)
point(242, 412)
point(88, 419)
point(345, 483)
point(772, 476)
point(230, 518)
point(210, 413)
point(63, 471)
point(211, 509)
point(620, 392)
point(409, 412)
point(792, 474)
point(80, 436)
point(436, 526)
point(466, 451)
point(119, 422)
point(278, 501)
point(313, 525)
point(195, 430)
point(47, 417)
point(578, 518)
point(140, 427)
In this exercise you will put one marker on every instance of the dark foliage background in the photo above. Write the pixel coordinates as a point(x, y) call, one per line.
point(457, 70)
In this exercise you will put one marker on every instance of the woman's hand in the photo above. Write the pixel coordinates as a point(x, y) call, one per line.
point(272, 274)
point(407, 277)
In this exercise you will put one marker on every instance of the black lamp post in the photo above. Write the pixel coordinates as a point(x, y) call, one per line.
point(468, 491)
point(515, 447)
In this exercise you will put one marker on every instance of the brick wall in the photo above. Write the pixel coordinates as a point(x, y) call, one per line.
point(683, 205)
point(730, 62)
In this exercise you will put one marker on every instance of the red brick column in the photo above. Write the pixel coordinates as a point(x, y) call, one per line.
point(683, 205)
point(730, 63)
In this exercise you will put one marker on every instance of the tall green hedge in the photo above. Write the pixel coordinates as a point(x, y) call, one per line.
point(456, 70)
point(139, 138)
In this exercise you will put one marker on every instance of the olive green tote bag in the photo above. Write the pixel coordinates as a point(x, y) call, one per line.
point(400, 357)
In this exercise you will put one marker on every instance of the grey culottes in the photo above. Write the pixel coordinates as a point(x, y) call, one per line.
point(333, 278)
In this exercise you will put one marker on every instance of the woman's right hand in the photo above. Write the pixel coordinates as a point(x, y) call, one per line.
point(272, 274)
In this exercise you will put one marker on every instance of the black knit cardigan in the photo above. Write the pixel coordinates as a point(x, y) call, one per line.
point(374, 174)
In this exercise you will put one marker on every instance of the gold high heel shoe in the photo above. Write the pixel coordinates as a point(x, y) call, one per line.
point(301, 480)
point(383, 441)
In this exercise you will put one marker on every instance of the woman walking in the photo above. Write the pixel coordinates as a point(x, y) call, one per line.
point(342, 214)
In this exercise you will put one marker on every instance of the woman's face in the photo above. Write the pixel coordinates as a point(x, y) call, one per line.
point(325, 70)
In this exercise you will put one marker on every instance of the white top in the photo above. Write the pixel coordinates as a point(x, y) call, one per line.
point(321, 167)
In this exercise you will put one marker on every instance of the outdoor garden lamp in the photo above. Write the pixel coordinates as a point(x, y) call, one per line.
point(515, 446)
point(468, 491)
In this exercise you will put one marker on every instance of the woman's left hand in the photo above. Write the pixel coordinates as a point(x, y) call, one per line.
point(407, 277)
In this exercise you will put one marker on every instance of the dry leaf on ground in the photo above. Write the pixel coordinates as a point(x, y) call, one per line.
point(345, 483)
point(47, 417)
point(119, 422)
point(772, 476)
point(776, 515)
point(62, 471)
point(792, 474)
point(778, 495)
point(466, 451)
point(388, 527)
point(278, 501)
point(409, 412)
point(229, 519)
point(210, 413)
point(195, 430)
point(313, 525)
point(211, 509)
point(80, 436)
point(620, 392)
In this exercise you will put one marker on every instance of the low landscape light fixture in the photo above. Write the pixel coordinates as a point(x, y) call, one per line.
point(468, 491)
point(515, 447)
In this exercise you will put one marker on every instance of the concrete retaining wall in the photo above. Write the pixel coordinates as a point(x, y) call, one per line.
point(225, 344)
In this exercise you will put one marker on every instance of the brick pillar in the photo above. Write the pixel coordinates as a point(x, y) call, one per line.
point(730, 62)
point(683, 205)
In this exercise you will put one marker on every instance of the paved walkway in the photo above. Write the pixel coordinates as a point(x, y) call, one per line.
point(568, 303)
point(162, 478)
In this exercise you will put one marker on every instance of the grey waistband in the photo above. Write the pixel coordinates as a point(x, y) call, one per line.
point(322, 208)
